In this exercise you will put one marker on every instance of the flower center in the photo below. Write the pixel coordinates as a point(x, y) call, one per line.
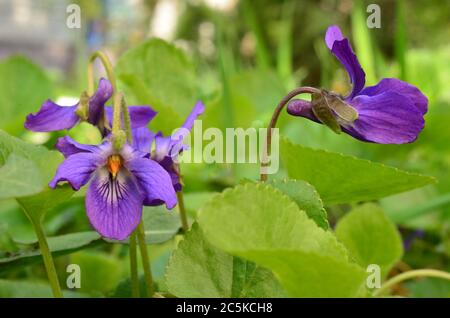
point(114, 164)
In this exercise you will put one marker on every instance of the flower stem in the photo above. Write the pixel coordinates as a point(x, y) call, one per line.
point(145, 259)
point(408, 275)
point(182, 210)
point(118, 135)
point(48, 259)
point(117, 132)
point(108, 68)
point(274, 119)
point(133, 266)
point(126, 120)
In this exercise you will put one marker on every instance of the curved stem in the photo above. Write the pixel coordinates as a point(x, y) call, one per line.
point(133, 266)
point(48, 260)
point(182, 210)
point(117, 98)
point(145, 259)
point(408, 275)
point(117, 113)
point(108, 68)
point(274, 119)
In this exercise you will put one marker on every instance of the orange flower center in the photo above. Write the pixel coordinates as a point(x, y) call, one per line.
point(114, 164)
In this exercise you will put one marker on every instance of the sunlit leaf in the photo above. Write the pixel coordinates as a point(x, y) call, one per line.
point(261, 224)
point(306, 198)
point(198, 269)
point(25, 163)
point(370, 237)
point(342, 179)
point(23, 88)
point(157, 73)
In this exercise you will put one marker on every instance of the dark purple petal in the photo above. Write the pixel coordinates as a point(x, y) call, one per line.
point(387, 118)
point(400, 87)
point(143, 139)
point(185, 129)
point(302, 108)
point(52, 117)
point(333, 34)
point(168, 165)
point(114, 206)
point(343, 51)
point(198, 109)
point(154, 180)
point(67, 146)
point(76, 169)
point(98, 100)
point(180, 134)
point(172, 145)
point(140, 115)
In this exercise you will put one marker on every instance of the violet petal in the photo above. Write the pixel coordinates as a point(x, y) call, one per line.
point(76, 169)
point(154, 180)
point(343, 51)
point(403, 88)
point(52, 117)
point(114, 206)
point(387, 118)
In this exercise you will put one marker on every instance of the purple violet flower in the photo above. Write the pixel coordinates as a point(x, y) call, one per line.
point(390, 112)
point(167, 148)
point(121, 183)
point(53, 117)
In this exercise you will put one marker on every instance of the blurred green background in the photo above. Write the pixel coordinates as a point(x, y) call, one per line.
point(240, 57)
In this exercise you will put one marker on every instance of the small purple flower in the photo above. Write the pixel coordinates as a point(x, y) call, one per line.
point(167, 148)
point(390, 112)
point(121, 182)
point(53, 117)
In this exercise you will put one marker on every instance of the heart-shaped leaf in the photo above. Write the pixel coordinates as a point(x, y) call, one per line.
point(343, 179)
point(198, 269)
point(23, 88)
point(370, 237)
point(261, 224)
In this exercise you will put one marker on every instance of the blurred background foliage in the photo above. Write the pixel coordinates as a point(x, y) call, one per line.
point(240, 57)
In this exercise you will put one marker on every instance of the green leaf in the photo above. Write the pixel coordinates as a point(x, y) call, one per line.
point(160, 224)
point(306, 198)
point(370, 237)
point(20, 177)
point(195, 200)
point(59, 245)
point(22, 161)
point(274, 233)
point(308, 274)
point(429, 288)
point(159, 74)
point(168, 118)
point(23, 88)
point(100, 272)
point(29, 289)
point(342, 179)
point(36, 206)
point(198, 269)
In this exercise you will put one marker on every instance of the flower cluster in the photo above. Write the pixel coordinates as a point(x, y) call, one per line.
point(121, 181)
point(390, 112)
